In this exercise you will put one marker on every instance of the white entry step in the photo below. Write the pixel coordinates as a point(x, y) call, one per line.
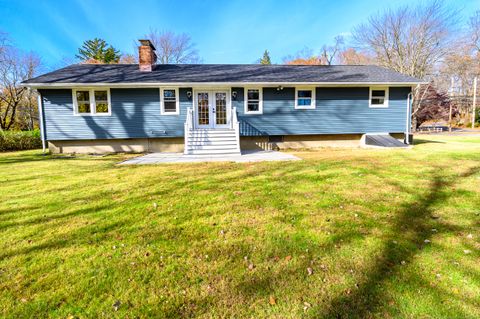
point(212, 142)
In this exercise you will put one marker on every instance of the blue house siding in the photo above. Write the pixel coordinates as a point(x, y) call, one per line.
point(338, 111)
point(135, 114)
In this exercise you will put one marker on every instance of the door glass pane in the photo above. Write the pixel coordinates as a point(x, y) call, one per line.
point(202, 109)
point(221, 108)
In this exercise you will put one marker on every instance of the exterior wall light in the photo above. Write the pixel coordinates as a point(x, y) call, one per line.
point(234, 95)
point(189, 94)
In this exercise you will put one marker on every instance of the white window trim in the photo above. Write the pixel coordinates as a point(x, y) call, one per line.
point(177, 101)
point(260, 100)
point(91, 93)
point(303, 107)
point(385, 101)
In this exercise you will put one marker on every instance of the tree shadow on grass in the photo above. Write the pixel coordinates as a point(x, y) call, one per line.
point(23, 158)
point(82, 236)
point(47, 218)
point(413, 225)
point(419, 141)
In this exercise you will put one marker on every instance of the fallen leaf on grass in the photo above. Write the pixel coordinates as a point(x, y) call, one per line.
point(306, 305)
point(272, 300)
point(288, 258)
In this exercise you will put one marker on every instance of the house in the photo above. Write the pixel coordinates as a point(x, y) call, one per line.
point(221, 109)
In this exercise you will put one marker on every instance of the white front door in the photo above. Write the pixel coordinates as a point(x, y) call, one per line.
point(212, 109)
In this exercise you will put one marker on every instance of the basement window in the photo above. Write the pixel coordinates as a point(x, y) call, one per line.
point(253, 101)
point(170, 104)
point(88, 102)
point(304, 98)
point(378, 97)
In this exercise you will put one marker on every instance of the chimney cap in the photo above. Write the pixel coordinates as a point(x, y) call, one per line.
point(147, 43)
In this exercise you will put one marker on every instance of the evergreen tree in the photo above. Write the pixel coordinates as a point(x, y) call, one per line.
point(266, 58)
point(98, 50)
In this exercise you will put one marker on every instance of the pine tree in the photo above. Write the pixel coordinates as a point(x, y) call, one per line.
point(266, 58)
point(98, 50)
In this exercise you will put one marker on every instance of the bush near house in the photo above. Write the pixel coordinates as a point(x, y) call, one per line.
point(19, 140)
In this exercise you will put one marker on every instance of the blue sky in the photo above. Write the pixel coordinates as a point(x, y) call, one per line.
point(224, 31)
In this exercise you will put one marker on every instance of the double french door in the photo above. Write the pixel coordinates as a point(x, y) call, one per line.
point(212, 109)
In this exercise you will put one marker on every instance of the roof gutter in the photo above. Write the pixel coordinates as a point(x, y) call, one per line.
point(212, 84)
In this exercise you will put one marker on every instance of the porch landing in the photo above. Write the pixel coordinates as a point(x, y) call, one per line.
point(253, 156)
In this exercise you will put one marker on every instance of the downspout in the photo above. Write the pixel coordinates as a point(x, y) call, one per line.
point(407, 124)
point(40, 121)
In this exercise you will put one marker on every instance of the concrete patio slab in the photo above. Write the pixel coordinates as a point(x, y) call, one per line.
point(255, 156)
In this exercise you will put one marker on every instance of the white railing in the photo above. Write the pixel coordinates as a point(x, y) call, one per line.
point(188, 127)
point(235, 124)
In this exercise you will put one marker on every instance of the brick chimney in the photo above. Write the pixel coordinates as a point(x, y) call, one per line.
point(146, 55)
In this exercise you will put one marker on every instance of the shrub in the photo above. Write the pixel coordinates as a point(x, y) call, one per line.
point(19, 140)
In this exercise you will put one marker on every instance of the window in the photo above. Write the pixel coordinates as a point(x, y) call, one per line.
point(91, 102)
point(378, 97)
point(169, 102)
point(101, 102)
point(253, 101)
point(304, 98)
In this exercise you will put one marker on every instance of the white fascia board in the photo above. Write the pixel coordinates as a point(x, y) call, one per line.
point(216, 84)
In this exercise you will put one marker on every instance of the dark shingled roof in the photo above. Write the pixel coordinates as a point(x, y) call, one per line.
point(238, 73)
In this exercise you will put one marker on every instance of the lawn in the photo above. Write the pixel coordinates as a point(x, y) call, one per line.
point(344, 233)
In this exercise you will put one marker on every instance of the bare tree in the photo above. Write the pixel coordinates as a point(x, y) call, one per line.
point(351, 56)
point(128, 59)
point(15, 67)
point(474, 30)
point(411, 40)
point(330, 52)
point(28, 110)
point(304, 56)
point(172, 48)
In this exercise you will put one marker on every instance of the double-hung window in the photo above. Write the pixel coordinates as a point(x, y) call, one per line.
point(253, 101)
point(91, 102)
point(304, 98)
point(378, 97)
point(169, 101)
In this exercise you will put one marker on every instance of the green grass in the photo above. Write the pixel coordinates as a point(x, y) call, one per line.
point(80, 234)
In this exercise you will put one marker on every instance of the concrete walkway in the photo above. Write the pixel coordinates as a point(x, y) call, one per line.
point(254, 156)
